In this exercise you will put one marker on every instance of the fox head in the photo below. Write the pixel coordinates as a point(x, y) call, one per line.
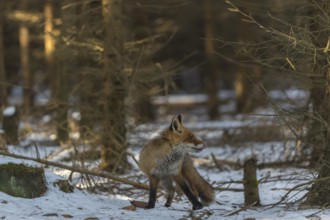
point(182, 137)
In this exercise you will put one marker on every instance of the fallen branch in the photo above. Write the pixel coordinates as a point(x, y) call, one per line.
point(221, 164)
point(294, 163)
point(78, 170)
point(229, 189)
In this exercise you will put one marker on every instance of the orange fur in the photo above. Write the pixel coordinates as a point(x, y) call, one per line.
point(166, 159)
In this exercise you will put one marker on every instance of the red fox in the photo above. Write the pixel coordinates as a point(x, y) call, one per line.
point(166, 159)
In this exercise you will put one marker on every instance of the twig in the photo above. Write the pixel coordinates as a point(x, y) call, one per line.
point(79, 170)
point(286, 194)
point(241, 209)
point(322, 210)
point(229, 189)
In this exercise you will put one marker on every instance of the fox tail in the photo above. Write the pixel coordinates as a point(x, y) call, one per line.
point(198, 185)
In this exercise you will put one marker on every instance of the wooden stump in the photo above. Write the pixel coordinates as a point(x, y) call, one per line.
point(10, 122)
point(251, 190)
point(20, 180)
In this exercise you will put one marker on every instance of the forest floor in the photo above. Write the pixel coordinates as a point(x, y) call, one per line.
point(283, 174)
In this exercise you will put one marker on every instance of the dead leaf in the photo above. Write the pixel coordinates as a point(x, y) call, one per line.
point(129, 208)
point(139, 204)
point(50, 214)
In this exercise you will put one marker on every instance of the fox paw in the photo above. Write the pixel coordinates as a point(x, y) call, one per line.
point(197, 206)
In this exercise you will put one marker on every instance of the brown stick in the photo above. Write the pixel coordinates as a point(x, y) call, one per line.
point(78, 169)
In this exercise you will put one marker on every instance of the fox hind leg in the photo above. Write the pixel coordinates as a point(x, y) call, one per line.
point(185, 188)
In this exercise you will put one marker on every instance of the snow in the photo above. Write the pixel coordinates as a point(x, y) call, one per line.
point(274, 183)
point(9, 111)
point(81, 204)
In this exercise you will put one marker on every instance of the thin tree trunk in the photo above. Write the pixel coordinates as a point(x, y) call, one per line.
point(211, 71)
point(49, 44)
point(24, 39)
point(61, 87)
point(113, 151)
point(3, 83)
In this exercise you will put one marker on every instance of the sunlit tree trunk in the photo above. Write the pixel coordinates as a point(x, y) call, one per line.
point(113, 151)
point(49, 44)
point(24, 40)
point(211, 71)
point(3, 85)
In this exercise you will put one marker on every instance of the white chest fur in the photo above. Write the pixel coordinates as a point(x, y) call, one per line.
point(169, 165)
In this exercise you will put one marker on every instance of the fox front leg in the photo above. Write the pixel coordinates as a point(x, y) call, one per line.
point(153, 184)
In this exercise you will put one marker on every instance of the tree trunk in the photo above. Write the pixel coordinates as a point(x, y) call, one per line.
point(144, 109)
point(319, 194)
point(113, 150)
point(49, 44)
point(211, 68)
point(61, 88)
point(10, 124)
point(248, 94)
point(315, 136)
point(319, 37)
point(251, 190)
point(3, 83)
point(24, 39)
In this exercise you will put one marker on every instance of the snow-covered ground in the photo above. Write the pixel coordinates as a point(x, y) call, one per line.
point(112, 202)
point(81, 204)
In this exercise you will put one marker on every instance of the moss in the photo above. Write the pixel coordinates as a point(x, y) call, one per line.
point(21, 170)
point(22, 180)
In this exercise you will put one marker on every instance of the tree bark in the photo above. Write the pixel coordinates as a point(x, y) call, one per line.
point(49, 45)
point(251, 190)
point(248, 94)
point(113, 150)
point(10, 124)
point(24, 39)
point(3, 83)
point(211, 69)
point(61, 86)
point(319, 194)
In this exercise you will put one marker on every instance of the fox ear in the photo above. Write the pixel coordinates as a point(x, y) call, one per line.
point(179, 118)
point(176, 124)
